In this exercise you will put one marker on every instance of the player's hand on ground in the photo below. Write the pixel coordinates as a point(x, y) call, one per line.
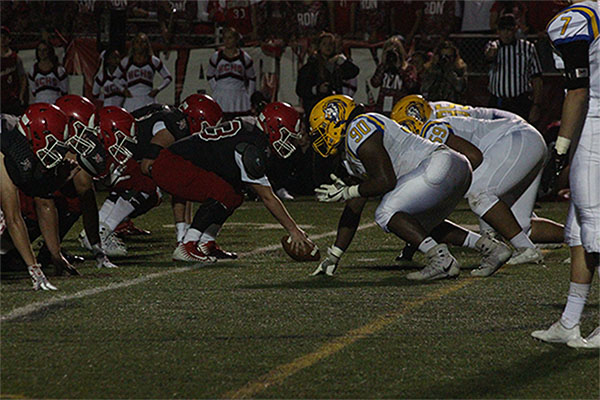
point(329, 263)
point(61, 264)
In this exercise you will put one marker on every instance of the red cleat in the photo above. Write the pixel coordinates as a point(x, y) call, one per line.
point(127, 228)
point(212, 249)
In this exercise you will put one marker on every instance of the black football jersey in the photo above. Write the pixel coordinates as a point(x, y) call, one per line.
point(24, 168)
point(145, 119)
point(215, 149)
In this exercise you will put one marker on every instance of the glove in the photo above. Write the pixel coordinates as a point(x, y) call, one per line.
point(336, 191)
point(101, 257)
point(330, 263)
point(38, 278)
point(559, 162)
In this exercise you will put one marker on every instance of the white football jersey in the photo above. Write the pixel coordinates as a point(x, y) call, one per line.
point(443, 109)
point(581, 21)
point(405, 150)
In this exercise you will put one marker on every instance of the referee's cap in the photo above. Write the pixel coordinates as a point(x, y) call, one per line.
point(507, 21)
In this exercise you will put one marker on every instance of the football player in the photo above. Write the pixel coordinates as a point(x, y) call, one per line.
point(212, 167)
point(539, 230)
point(133, 191)
point(420, 181)
point(574, 34)
point(32, 160)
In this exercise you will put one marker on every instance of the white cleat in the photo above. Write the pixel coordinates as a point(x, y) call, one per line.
point(38, 279)
point(526, 256)
point(590, 342)
point(113, 246)
point(190, 252)
point(440, 264)
point(557, 333)
point(495, 254)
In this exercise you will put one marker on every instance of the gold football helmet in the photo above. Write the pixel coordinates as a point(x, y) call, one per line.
point(412, 106)
point(411, 124)
point(328, 119)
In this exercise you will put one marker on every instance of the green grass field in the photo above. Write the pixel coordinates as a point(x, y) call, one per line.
point(261, 327)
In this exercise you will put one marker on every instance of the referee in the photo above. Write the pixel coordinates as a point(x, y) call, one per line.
point(514, 70)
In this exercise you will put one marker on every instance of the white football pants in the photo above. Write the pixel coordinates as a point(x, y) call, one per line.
point(430, 192)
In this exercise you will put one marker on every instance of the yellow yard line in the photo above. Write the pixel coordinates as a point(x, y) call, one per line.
point(284, 371)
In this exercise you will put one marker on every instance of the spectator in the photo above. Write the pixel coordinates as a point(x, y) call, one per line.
point(175, 17)
point(14, 80)
point(373, 19)
point(476, 15)
point(514, 71)
point(406, 18)
point(231, 76)
point(516, 8)
point(107, 87)
point(445, 76)
point(342, 17)
point(394, 76)
point(324, 73)
point(48, 80)
point(440, 18)
point(273, 20)
point(237, 14)
point(137, 70)
point(419, 59)
point(310, 18)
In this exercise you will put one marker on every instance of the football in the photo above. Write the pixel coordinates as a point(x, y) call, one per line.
point(312, 255)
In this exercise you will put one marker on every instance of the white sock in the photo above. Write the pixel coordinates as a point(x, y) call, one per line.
point(578, 293)
point(192, 235)
point(210, 234)
point(521, 240)
point(119, 212)
point(181, 228)
point(471, 239)
point(427, 244)
point(105, 210)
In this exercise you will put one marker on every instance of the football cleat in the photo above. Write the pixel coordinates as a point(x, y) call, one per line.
point(557, 333)
point(127, 228)
point(494, 253)
point(191, 253)
point(440, 264)
point(211, 248)
point(111, 244)
point(590, 342)
point(526, 256)
point(38, 278)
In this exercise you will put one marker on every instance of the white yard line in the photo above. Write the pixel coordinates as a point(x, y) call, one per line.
point(20, 312)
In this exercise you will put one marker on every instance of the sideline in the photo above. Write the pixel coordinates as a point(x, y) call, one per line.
point(284, 371)
point(20, 312)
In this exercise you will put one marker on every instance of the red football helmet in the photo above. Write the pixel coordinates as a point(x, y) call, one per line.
point(281, 122)
point(82, 118)
point(45, 127)
point(116, 129)
point(201, 111)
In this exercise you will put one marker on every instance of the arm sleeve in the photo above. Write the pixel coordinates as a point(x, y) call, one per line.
point(575, 56)
point(535, 66)
point(163, 71)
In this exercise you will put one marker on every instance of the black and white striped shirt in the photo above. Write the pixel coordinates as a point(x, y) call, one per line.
point(514, 67)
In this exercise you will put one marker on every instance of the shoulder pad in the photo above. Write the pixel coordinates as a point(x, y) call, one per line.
point(253, 158)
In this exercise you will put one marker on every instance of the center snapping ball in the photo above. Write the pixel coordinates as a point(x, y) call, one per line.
point(312, 254)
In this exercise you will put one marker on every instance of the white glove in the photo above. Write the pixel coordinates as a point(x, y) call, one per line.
point(336, 191)
point(101, 257)
point(330, 263)
point(38, 278)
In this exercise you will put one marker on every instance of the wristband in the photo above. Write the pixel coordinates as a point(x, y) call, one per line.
point(352, 192)
point(562, 145)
